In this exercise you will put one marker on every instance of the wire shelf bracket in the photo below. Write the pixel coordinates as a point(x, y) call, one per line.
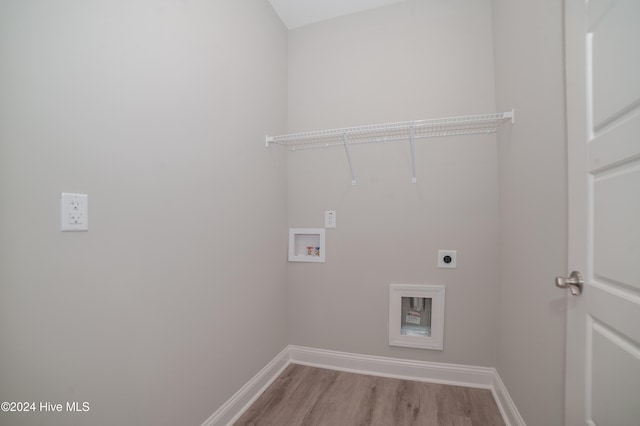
point(347, 149)
point(391, 132)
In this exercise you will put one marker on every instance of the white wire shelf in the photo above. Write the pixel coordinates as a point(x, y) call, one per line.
point(390, 132)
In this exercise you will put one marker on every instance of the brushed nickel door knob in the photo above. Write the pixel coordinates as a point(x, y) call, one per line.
point(574, 283)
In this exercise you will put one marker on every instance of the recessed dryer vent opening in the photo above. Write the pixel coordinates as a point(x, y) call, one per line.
point(416, 316)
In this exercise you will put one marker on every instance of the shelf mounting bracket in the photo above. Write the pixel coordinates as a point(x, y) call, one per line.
point(347, 149)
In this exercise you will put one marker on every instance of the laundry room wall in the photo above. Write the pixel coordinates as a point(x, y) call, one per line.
point(175, 297)
point(529, 62)
point(409, 61)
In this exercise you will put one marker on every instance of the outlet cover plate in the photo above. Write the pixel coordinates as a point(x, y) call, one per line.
point(74, 212)
point(447, 259)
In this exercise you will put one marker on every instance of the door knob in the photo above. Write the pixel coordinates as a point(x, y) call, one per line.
point(573, 283)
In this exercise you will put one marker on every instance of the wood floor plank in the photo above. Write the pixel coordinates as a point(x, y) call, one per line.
point(309, 396)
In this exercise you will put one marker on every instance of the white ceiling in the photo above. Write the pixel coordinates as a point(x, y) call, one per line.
point(296, 13)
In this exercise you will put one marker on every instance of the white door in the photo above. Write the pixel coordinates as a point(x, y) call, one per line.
point(603, 129)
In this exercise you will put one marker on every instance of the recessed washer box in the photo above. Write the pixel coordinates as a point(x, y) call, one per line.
point(306, 245)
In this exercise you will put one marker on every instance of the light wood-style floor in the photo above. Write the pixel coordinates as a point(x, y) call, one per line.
point(314, 396)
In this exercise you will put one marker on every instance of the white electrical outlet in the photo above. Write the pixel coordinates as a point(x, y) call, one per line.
point(447, 258)
point(74, 212)
point(330, 219)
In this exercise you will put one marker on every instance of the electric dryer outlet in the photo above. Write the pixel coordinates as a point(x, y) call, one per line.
point(447, 259)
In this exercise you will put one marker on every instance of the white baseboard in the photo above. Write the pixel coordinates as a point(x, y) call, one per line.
point(507, 407)
point(231, 410)
point(450, 374)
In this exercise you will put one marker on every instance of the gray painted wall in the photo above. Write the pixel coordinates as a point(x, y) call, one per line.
point(176, 296)
point(412, 60)
point(528, 41)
